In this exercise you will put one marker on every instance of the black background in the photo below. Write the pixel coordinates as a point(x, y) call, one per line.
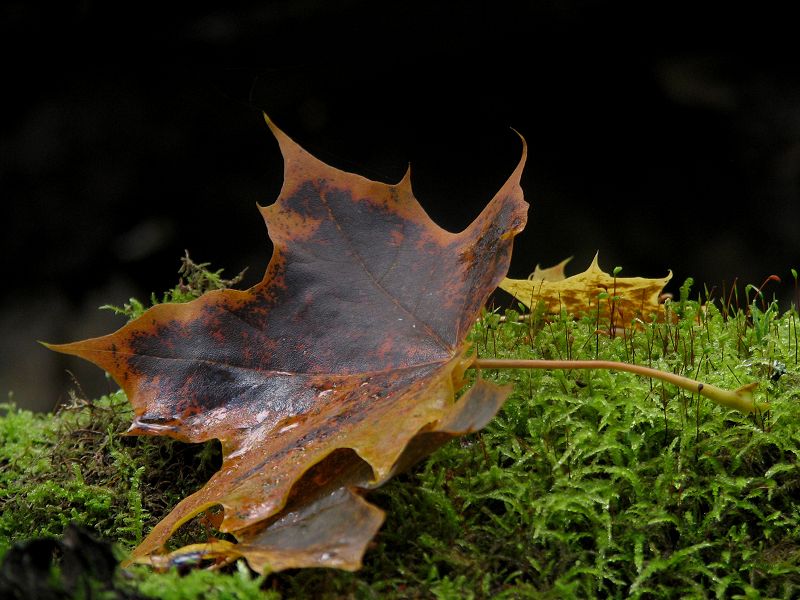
point(664, 139)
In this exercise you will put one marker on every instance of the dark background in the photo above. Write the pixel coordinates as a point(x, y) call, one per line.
point(667, 139)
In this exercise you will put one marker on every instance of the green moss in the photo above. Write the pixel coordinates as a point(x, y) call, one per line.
point(588, 484)
point(195, 279)
point(240, 584)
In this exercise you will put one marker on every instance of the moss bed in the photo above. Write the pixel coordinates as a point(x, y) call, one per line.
point(588, 484)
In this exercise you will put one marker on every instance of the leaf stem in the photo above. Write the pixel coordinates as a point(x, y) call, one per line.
point(740, 399)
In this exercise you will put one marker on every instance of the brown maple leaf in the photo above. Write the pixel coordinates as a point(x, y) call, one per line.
point(334, 372)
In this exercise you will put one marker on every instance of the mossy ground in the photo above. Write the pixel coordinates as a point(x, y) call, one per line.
point(588, 484)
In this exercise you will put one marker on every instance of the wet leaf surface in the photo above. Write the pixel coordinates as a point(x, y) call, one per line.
point(337, 370)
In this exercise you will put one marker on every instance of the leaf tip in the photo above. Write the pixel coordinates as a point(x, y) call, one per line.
point(276, 131)
point(518, 171)
point(596, 261)
point(524, 141)
point(70, 348)
point(268, 121)
point(405, 181)
point(287, 145)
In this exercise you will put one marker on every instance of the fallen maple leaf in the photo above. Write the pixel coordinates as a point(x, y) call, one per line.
point(334, 372)
point(630, 297)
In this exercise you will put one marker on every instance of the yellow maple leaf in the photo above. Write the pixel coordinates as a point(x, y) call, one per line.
point(628, 297)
